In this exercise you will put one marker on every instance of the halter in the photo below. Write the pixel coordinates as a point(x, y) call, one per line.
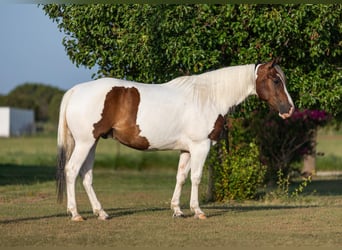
point(257, 65)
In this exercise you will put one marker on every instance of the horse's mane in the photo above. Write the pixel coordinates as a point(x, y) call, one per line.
point(222, 87)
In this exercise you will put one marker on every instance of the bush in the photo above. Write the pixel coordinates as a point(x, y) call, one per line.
point(237, 172)
point(262, 148)
point(284, 142)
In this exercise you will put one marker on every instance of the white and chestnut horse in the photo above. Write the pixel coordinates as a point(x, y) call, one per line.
point(185, 114)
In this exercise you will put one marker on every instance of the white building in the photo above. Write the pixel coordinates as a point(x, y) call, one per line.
point(16, 122)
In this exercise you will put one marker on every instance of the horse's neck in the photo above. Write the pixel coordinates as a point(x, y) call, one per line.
point(226, 87)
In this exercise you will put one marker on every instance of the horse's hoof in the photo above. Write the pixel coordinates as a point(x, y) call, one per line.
point(77, 218)
point(178, 215)
point(103, 217)
point(101, 214)
point(200, 216)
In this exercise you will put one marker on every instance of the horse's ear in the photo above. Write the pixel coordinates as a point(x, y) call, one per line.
point(275, 61)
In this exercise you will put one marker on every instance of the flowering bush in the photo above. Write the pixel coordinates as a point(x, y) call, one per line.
point(261, 148)
point(283, 142)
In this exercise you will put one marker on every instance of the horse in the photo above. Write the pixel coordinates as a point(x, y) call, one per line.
point(185, 114)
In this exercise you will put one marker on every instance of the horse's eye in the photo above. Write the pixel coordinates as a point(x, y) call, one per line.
point(276, 81)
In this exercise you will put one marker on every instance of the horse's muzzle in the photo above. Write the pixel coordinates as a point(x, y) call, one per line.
point(287, 115)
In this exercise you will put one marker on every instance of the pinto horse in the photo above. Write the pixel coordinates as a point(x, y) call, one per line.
point(185, 114)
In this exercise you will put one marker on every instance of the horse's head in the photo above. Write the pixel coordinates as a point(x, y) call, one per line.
point(271, 87)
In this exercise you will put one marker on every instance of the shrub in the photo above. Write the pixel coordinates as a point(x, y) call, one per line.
point(238, 172)
point(283, 191)
point(262, 148)
point(284, 142)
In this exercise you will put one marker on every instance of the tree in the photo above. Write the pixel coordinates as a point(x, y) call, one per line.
point(155, 43)
point(43, 99)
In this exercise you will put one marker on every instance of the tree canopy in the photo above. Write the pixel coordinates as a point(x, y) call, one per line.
point(155, 43)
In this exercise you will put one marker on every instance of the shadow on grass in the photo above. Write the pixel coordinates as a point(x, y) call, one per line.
point(211, 211)
point(324, 187)
point(12, 174)
point(113, 213)
point(17, 220)
point(214, 211)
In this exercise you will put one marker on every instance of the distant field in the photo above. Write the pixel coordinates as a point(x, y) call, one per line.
point(135, 188)
point(330, 144)
point(41, 151)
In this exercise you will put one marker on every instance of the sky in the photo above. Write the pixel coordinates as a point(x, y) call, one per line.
point(31, 50)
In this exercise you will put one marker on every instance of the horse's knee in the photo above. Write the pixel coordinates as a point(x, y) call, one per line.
point(195, 180)
point(181, 178)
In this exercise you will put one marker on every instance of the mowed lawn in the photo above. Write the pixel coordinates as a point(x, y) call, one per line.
point(135, 189)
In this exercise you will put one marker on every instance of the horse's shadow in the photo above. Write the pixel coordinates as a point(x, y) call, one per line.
point(121, 212)
point(212, 211)
point(219, 210)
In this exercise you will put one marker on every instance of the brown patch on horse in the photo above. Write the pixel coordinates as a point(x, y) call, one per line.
point(218, 127)
point(118, 118)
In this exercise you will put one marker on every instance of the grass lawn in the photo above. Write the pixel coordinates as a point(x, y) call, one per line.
point(136, 194)
point(330, 144)
point(138, 204)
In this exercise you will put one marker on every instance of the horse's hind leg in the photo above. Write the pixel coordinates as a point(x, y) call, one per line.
point(182, 173)
point(72, 168)
point(86, 173)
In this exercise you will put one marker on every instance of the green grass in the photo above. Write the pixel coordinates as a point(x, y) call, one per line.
point(329, 143)
point(111, 154)
point(330, 162)
point(138, 204)
point(135, 189)
point(41, 151)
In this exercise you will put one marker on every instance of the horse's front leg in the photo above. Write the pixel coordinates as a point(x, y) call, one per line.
point(182, 173)
point(198, 152)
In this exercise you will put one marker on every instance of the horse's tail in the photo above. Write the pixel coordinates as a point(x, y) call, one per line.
point(65, 147)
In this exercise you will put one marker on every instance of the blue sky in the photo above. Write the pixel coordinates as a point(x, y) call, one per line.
point(31, 50)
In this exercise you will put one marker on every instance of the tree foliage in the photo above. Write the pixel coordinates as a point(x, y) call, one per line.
point(155, 43)
point(43, 99)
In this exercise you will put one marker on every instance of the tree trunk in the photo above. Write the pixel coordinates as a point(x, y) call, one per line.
point(309, 167)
